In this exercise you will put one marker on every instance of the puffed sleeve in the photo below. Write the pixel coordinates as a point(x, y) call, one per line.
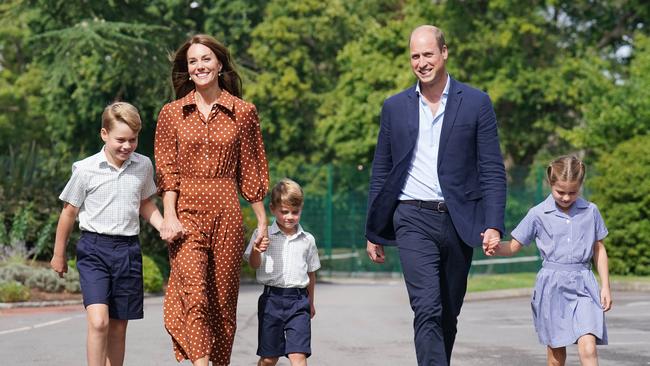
point(526, 230)
point(252, 167)
point(166, 152)
point(601, 229)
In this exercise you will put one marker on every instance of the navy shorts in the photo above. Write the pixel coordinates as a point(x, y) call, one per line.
point(284, 322)
point(110, 272)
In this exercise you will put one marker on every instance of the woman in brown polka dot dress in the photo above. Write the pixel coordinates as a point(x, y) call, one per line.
point(208, 147)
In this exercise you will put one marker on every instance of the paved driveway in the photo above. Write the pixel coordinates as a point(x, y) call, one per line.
point(356, 324)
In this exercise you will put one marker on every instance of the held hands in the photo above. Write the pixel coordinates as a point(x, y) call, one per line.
point(261, 243)
point(491, 240)
point(171, 229)
point(59, 264)
point(375, 252)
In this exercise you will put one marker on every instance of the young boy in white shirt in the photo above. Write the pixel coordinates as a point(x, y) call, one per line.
point(285, 263)
point(109, 191)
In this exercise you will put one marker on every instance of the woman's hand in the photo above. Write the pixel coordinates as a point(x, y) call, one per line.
point(262, 233)
point(171, 229)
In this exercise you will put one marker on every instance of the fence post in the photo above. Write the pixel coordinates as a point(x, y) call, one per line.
point(329, 212)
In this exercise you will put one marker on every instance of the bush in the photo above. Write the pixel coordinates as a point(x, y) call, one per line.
point(622, 193)
point(17, 272)
point(162, 261)
point(43, 279)
point(153, 279)
point(71, 280)
point(12, 291)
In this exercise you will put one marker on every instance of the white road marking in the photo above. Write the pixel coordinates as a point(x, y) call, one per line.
point(40, 325)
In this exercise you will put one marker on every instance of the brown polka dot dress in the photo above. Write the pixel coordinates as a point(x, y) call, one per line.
point(207, 162)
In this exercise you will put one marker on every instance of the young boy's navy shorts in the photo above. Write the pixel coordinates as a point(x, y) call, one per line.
point(284, 322)
point(110, 272)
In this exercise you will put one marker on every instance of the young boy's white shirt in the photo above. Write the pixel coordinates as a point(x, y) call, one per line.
point(287, 259)
point(108, 197)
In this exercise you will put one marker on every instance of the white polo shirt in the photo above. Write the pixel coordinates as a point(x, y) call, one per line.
point(287, 260)
point(109, 198)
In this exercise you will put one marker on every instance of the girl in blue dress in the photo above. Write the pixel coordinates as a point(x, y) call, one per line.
point(567, 306)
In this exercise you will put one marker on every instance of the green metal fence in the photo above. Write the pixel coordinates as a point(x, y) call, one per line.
point(335, 212)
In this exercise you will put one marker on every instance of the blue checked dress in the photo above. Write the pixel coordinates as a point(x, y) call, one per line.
point(566, 299)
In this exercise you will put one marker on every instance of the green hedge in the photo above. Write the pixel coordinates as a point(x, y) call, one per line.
point(153, 278)
point(622, 193)
point(13, 291)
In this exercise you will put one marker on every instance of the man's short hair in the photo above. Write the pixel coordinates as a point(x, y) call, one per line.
point(437, 33)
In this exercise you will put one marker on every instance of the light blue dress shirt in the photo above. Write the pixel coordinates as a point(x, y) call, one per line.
point(422, 181)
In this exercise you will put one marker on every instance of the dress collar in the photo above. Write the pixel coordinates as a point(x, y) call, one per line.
point(549, 204)
point(225, 100)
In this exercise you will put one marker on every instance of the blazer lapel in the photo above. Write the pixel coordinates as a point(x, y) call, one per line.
point(413, 117)
point(407, 138)
point(454, 100)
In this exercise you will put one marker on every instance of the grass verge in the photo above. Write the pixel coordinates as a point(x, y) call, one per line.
point(482, 282)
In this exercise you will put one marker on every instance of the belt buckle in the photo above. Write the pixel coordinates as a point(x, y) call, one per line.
point(439, 205)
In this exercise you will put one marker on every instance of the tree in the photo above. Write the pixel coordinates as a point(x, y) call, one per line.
point(295, 49)
point(372, 67)
point(620, 106)
point(622, 193)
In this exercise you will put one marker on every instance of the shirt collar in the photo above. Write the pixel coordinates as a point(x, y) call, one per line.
point(101, 159)
point(445, 92)
point(275, 229)
point(549, 204)
point(225, 100)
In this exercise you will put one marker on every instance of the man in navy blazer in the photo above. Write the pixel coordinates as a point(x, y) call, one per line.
point(438, 189)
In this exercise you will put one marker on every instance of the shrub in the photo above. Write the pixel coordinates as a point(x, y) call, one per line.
point(13, 271)
point(45, 280)
point(12, 291)
point(71, 280)
point(622, 193)
point(153, 279)
point(41, 278)
point(162, 261)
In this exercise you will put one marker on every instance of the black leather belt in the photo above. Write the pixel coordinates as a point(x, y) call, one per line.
point(284, 291)
point(439, 206)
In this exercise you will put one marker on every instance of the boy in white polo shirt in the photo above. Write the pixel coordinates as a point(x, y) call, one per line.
point(286, 264)
point(108, 191)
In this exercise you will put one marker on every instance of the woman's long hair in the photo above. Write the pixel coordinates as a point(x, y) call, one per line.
point(229, 79)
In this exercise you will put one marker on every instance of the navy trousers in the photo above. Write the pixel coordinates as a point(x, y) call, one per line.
point(435, 263)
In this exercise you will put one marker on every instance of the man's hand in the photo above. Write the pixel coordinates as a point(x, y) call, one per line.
point(491, 239)
point(375, 252)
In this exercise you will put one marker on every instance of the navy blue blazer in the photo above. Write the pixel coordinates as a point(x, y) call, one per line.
point(470, 165)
